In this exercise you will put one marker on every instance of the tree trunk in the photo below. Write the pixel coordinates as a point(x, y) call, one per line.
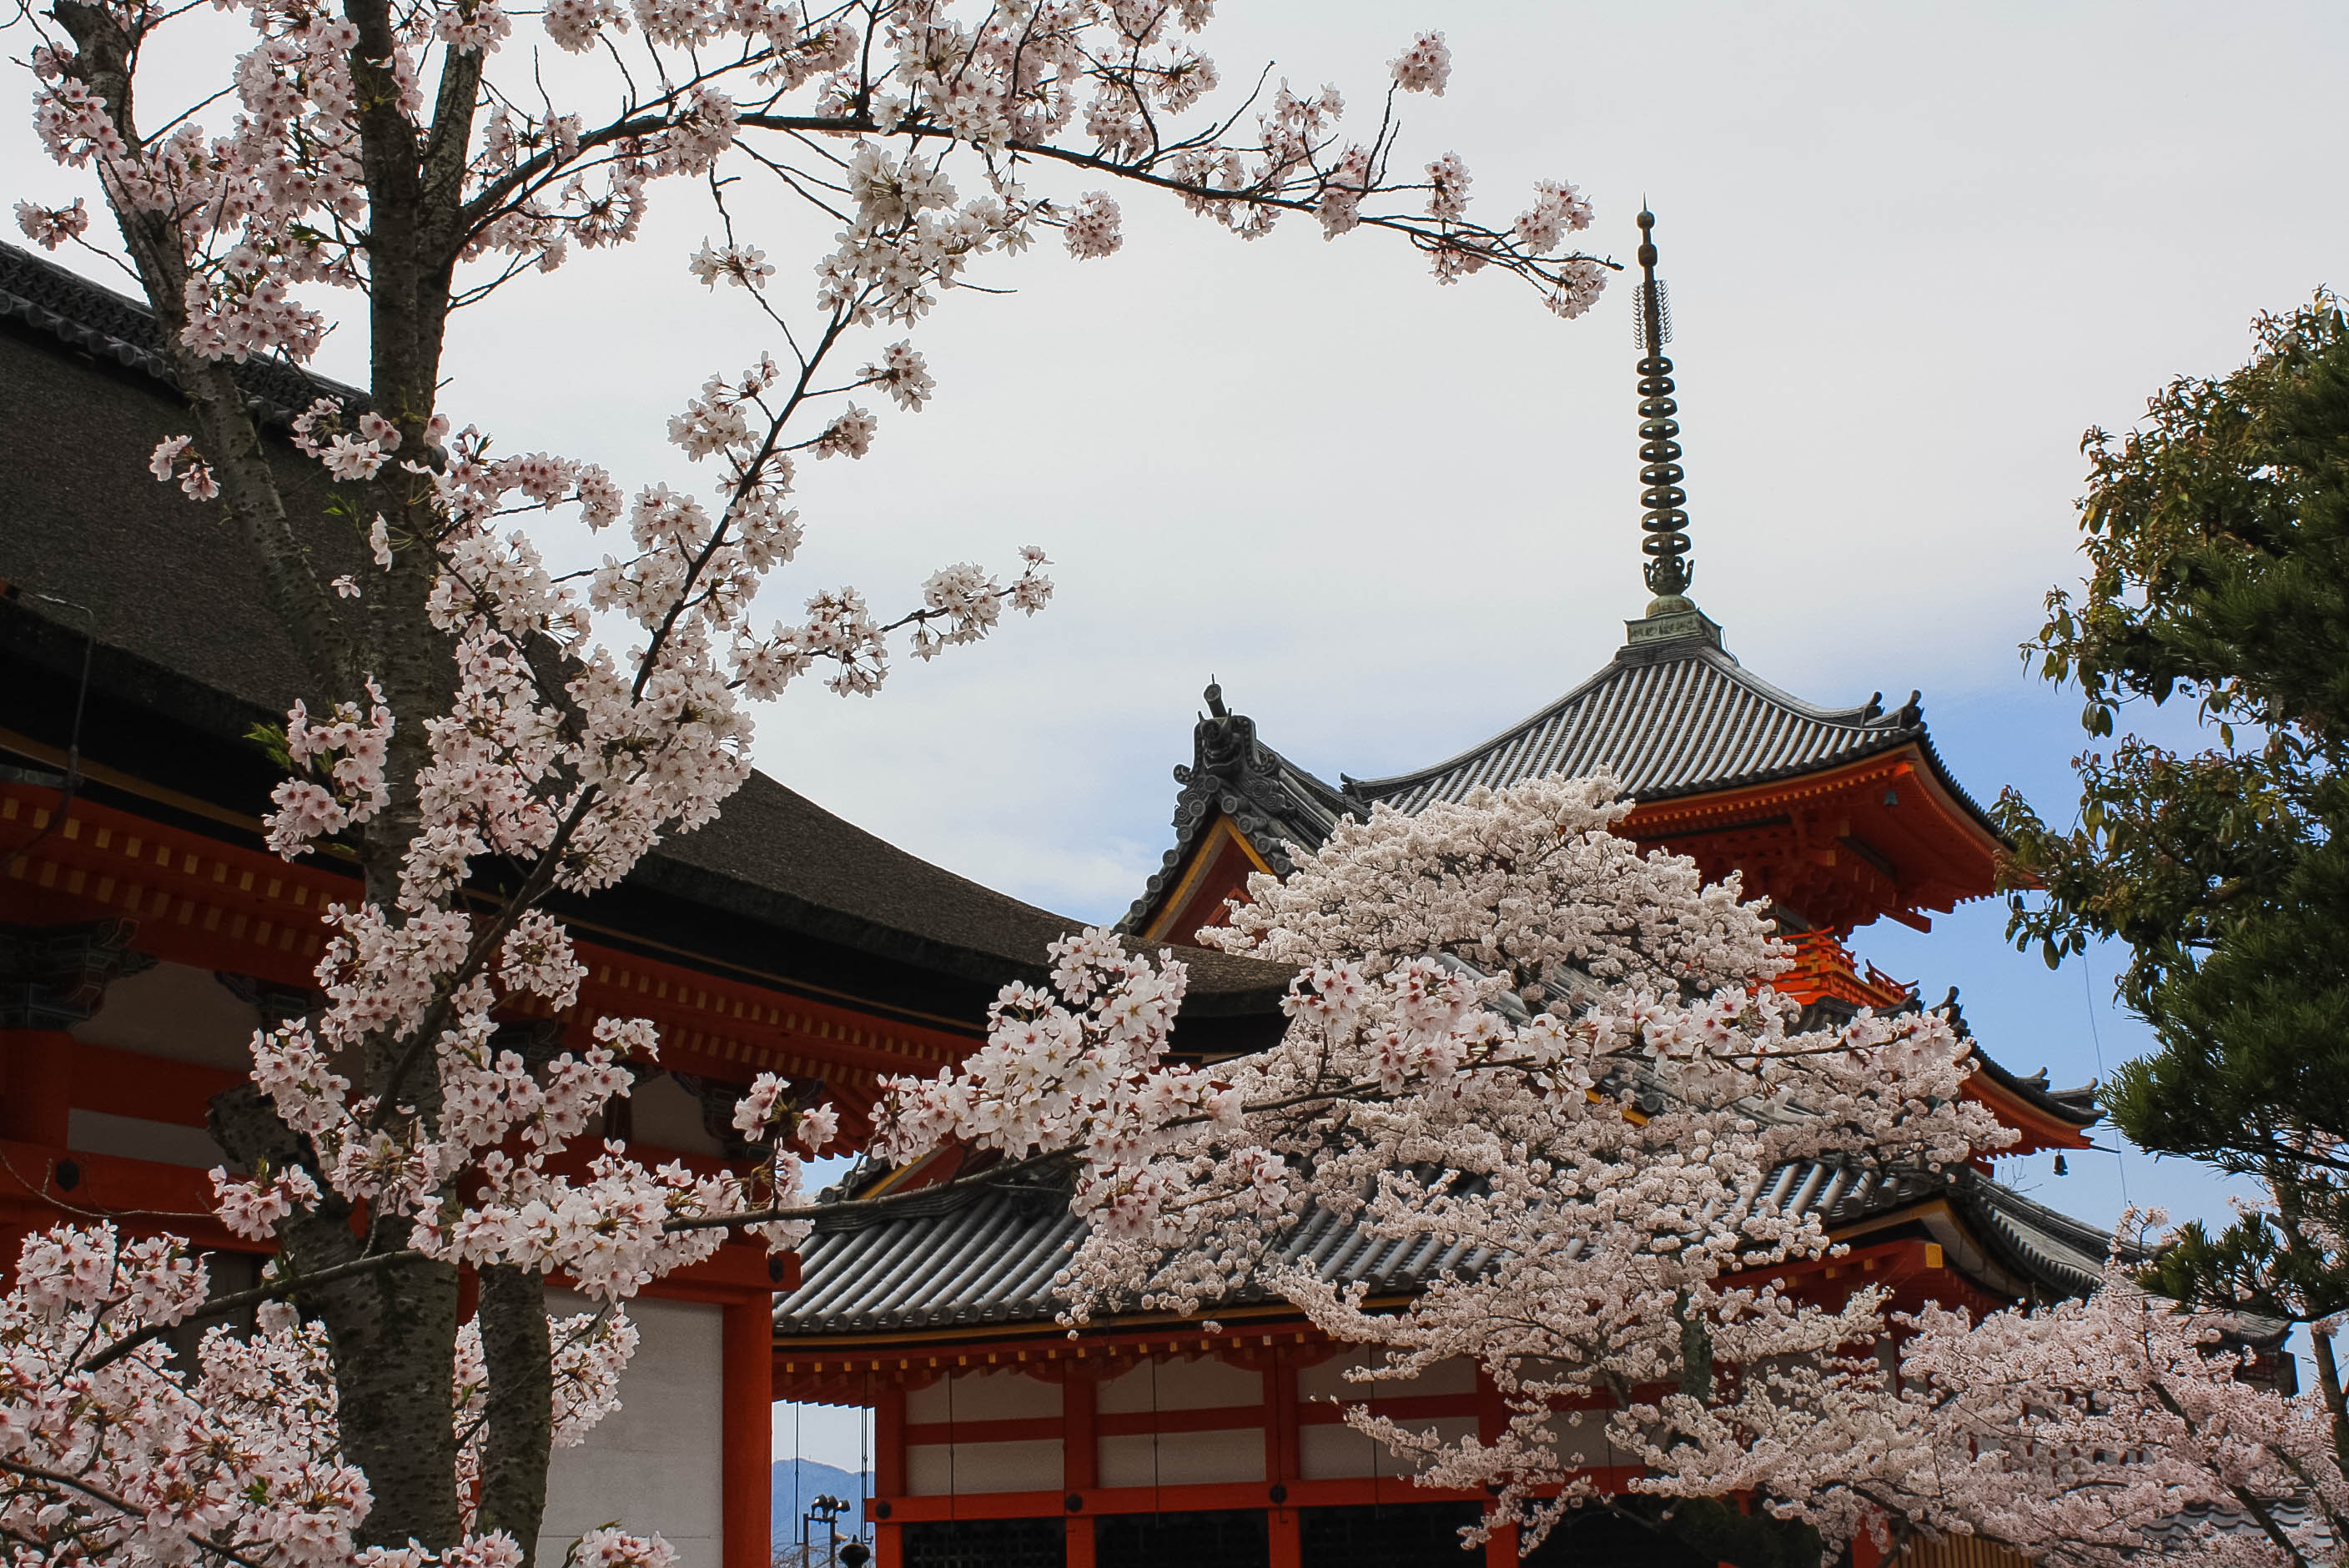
point(2328, 1379)
point(391, 1336)
point(519, 1431)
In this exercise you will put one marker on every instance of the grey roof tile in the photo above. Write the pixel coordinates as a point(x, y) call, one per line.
point(1667, 720)
point(989, 1254)
point(182, 627)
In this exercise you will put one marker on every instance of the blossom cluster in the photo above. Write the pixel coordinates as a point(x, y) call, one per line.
point(278, 201)
point(144, 1459)
point(2092, 1432)
point(116, 1449)
point(559, 755)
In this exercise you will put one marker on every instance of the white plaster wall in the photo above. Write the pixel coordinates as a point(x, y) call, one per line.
point(137, 1138)
point(668, 1118)
point(1327, 1380)
point(1584, 1442)
point(1183, 1459)
point(1202, 1384)
point(993, 1395)
point(174, 1010)
point(936, 1470)
point(654, 1464)
point(1335, 1452)
point(1331, 1452)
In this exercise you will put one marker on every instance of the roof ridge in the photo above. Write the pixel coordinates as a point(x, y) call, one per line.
point(2062, 1226)
point(1855, 718)
point(87, 315)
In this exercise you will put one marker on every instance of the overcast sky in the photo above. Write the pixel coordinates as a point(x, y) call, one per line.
point(1913, 252)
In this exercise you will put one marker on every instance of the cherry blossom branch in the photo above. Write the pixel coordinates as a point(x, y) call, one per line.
point(221, 1306)
point(120, 1504)
point(2254, 1505)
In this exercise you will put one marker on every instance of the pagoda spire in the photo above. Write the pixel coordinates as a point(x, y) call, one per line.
point(1663, 521)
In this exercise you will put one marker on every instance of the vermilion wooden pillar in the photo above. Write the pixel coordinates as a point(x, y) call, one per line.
point(1079, 1456)
point(36, 1101)
point(36, 1086)
point(1491, 1423)
point(1280, 1457)
point(1287, 1541)
point(889, 1472)
point(747, 1431)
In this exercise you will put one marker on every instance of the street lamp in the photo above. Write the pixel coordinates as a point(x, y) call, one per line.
point(826, 1510)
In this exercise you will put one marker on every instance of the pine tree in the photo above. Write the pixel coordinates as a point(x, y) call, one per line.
point(2216, 536)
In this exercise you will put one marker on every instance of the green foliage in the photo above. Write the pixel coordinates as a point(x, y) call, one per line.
point(270, 739)
point(2217, 540)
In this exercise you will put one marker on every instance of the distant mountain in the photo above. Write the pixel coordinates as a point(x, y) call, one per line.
point(814, 1480)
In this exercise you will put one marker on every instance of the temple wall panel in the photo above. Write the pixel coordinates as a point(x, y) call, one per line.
point(141, 1138)
point(1335, 1452)
point(656, 1461)
point(993, 1395)
point(944, 1470)
point(1327, 1380)
point(177, 1011)
point(1183, 1459)
point(1204, 1384)
point(1584, 1446)
point(661, 1112)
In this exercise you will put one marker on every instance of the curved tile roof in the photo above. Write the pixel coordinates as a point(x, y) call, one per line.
point(181, 628)
point(107, 325)
point(1270, 798)
point(1676, 719)
point(1668, 717)
point(989, 1255)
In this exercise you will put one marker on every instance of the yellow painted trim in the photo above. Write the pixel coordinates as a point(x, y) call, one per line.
point(115, 778)
point(1202, 856)
point(1931, 1208)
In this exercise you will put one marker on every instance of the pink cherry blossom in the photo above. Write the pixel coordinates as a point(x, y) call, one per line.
point(50, 227)
point(585, 702)
point(1094, 228)
point(1425, 66)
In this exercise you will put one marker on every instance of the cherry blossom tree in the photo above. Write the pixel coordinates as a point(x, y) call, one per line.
point(472, 711)
point(1516, 1033)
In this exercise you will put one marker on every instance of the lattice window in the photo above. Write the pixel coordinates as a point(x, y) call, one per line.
point(1398, 1535)
point(1602, 1538)
point(988, 1544)
point(1226, 1538)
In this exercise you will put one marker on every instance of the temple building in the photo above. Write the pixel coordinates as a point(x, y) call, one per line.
point(146, 930)
point(1003, 1439)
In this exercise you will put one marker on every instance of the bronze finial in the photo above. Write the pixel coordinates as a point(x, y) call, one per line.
point(1663, 521)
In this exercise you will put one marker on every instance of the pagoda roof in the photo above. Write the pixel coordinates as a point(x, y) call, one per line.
point(1667, 719)
point(185, 657)
point(60, 303)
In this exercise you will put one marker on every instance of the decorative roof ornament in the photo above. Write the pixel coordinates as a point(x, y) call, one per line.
point(1663, 521)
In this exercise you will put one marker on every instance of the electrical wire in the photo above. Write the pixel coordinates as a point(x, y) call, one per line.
point(2120, 1145)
